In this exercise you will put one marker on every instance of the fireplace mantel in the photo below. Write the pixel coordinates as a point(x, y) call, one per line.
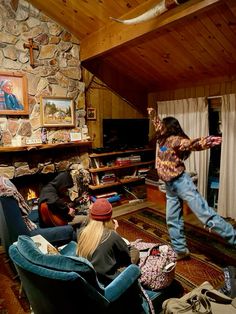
point(9, 149)
point(21, 161)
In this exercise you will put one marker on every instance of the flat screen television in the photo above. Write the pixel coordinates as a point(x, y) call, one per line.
point(121, 134)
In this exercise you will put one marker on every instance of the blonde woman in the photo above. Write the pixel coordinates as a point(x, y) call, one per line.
point(99, 242)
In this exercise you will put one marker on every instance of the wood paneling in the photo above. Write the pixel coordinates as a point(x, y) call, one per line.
point(217, 89)
point(108, 105)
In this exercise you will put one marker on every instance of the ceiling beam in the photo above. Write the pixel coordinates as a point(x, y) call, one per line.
point(115, 34)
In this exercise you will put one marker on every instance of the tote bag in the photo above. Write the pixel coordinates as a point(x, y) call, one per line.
point(203, 299)
point(157, 264)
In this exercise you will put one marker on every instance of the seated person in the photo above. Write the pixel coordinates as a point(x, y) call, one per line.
point(8, 189)
point(99, 242)
point(55, 207)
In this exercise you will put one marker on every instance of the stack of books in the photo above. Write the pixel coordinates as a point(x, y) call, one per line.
point(142, 172)
point(122, 161)
point(135, 158)
point(108, 177)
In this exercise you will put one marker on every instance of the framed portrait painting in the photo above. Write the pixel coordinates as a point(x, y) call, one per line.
point(57, 112)
point(13, 94)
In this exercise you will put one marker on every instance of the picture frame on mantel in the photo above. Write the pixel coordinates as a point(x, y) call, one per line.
point(13, 93)
point(57, 112)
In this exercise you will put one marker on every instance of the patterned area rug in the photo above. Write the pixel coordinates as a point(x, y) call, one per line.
point(209, 253)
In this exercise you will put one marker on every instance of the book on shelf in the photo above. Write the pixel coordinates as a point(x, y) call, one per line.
point(108, 177)
point(122, 161)
point(142, 172)
point(135, 158)
point(95, 179)
point(106, 195)
point(96, 161)
point(92, 163)
point(111, 199)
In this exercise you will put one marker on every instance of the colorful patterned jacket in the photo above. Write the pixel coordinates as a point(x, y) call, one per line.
point(169, 163)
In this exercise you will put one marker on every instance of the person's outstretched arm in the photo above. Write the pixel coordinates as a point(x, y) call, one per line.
point(197, 144)
point(156, 121)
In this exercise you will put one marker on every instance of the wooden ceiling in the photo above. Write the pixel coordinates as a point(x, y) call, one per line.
point(192, 44)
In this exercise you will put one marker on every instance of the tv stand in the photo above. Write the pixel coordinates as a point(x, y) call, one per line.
point(113, 169)
point(100, 150)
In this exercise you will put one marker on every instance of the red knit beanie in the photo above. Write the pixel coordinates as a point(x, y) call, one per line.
point(101, 210)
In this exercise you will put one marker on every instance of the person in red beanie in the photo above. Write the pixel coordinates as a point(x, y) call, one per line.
point(99, 242)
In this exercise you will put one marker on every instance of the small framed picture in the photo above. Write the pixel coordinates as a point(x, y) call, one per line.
point(75, 136)
point(57, 112)
point(91, 114)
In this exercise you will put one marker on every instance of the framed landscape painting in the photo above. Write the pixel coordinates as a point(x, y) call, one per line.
point(13, 94)
point(57, 112)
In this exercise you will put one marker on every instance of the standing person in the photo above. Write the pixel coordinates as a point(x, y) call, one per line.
point(99, 242)
point(8, 100)
point(173, 147)
point(55, 208)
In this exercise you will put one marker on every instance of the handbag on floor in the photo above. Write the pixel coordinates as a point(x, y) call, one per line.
point(157, 264)
point(203, 299)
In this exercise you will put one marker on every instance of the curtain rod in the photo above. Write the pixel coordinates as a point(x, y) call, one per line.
point(210, 97)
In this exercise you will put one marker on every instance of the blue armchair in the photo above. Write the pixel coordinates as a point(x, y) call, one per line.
point(58, 284)
point(12, 225)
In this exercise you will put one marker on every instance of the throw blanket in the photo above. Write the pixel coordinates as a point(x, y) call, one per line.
point(7, 188)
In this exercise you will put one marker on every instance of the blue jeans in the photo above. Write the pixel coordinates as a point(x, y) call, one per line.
point(183, 189)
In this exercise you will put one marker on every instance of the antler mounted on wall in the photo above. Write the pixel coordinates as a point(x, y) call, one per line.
point(160, 8)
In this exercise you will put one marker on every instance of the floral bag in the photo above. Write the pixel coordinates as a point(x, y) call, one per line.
point(157, 264)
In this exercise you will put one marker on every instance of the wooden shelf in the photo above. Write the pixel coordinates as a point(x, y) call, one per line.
point(130, 151)
point(133, 164)
point(120, 171)
point(120, 182)
point(31, 147)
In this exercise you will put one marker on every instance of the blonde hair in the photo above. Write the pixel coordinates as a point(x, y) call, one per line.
point(90, 237)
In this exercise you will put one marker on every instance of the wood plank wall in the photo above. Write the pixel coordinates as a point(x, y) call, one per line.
point(216, 89)
point(107, 105)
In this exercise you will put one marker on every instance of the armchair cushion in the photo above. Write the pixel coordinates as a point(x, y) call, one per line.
point(121, 283)
point(69, 249)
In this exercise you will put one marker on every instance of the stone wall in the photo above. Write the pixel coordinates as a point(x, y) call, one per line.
point(57, 70)
point(56, 73)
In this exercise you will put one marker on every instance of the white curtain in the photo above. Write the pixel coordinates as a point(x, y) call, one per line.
point(227, 192)
point(192, 114)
